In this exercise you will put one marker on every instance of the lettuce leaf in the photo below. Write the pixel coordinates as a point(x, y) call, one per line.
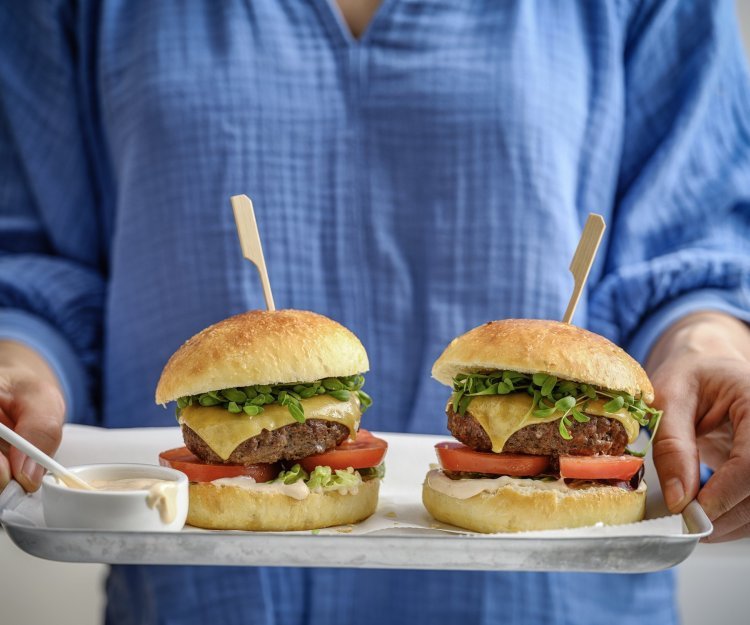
point(373, 472)
point(327, 479)
point(293, 475)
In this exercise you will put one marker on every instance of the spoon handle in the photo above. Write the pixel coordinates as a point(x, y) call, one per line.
point(36, 454)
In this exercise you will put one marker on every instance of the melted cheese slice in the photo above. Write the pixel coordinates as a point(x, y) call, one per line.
point(223, 431)
point(501, 416)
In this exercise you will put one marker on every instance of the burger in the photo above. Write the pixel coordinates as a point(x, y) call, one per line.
point(544, 412)
point(269, 404)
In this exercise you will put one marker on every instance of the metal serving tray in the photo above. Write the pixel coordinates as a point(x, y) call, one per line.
point(396, 547)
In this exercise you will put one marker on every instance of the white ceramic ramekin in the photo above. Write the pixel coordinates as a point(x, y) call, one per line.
point(112, 510)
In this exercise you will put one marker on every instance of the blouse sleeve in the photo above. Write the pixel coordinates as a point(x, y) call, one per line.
point(681, 231)
point(51, 267)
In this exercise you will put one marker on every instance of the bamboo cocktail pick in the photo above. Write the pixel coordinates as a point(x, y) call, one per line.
point(247, 228)
point(583, 259)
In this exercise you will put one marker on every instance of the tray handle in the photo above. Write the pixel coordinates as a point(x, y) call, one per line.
point(11, 496)
point(697, 520)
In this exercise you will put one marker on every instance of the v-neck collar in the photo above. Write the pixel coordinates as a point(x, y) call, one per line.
point(334, 20)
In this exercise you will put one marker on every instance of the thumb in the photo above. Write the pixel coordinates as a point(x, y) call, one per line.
point(675, 451)
point(4, 469)
point(38, 411)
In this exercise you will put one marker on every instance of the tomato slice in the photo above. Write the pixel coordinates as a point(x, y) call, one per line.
point(364, 452)
point(457, 457)
point(183, 460)
point(600, 467)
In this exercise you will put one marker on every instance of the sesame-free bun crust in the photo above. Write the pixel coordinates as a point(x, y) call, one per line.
point(234, 508)
point(551, 347)
point(262, 347)
point(514, 508)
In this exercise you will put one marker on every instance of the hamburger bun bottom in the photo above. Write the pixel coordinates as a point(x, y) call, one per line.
point(514, 508)
point(234, 508)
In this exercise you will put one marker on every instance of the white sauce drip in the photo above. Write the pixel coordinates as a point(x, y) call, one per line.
point(163, 497)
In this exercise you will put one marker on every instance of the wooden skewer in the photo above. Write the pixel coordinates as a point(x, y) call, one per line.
point(580, 266)
point(247, 228)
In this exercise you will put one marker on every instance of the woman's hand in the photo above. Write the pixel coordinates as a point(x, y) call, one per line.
point(31, 403)
point(700, 369)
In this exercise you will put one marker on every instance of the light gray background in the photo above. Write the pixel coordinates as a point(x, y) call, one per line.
point(712, 583)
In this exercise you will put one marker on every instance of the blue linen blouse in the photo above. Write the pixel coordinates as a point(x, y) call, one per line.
point(412, 184)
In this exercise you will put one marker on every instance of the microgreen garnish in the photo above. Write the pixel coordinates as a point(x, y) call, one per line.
point(551, 396)
point(249, 400)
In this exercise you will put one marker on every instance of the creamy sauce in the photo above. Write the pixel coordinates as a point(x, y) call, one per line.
point(74, 482)
point(465, 489)
point(130, 483)
point(162, 494)
point(298, 490)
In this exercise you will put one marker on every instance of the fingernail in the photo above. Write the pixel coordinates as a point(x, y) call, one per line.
point(674, 493)
point(32, 471)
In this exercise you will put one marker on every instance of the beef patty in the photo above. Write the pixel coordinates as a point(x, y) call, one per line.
point(288, 443)
point(600, 435)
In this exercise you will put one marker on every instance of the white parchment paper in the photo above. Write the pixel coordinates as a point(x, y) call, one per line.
point(400, 508)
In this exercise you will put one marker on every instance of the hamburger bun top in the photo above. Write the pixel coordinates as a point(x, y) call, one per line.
point(535, 345)
point(262, 347)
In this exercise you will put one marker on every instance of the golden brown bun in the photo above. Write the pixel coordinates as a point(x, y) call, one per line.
point(234, 508)
point(520, 508)
point(551, 347)
point(262, 347)
point(515, 508)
